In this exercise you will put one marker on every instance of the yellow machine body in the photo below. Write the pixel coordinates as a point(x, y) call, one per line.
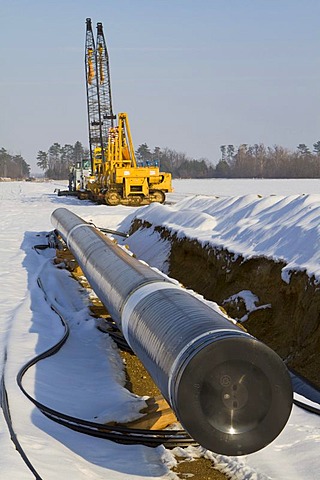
point(117, 179)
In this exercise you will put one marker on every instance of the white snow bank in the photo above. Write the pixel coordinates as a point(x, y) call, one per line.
point(27, 325)
point(283, 228)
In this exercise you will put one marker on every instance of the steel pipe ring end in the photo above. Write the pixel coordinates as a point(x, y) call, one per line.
point(233, 394)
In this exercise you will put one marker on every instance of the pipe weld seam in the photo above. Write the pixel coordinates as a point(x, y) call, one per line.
point(75, 228)
point(136, 296)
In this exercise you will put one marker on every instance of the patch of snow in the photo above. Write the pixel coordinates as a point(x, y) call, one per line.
point(249, 299)
point(277, 227)
point(283, 227)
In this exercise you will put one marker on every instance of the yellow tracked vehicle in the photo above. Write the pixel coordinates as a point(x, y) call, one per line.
point(115, 177)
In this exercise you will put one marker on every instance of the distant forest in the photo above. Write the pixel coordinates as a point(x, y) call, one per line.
point(13, 166)
point(259, 161)
point(244, 161)
point(58, 159)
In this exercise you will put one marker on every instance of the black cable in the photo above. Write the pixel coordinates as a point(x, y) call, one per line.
point(116, 336)
point(109, 230)
point(307, 407)
point(41, 247)
point(13, 435)
point(117, 433)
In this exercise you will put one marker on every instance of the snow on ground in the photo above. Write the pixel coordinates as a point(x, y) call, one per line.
point(249, 299)
point(279, 227)
point(85, 376)
point(243, 186)
point(28, 326)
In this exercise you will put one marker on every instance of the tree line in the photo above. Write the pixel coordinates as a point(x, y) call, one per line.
point(13, 166)
point(177, 163)
point(244, 161)
point(259, 161)
point(57, 160)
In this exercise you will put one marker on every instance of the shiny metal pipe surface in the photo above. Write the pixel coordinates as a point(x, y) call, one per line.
point(231, 392)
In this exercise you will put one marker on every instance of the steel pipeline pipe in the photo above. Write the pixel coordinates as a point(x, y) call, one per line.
point(231, 392)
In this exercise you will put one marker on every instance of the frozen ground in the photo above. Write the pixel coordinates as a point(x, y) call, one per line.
point(85, 378)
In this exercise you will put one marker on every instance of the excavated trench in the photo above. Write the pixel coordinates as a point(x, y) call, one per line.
point(286, 316)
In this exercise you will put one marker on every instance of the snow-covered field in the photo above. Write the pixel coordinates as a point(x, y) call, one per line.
point(277, 218)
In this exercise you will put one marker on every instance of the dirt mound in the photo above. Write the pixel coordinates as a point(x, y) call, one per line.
point(286, 316)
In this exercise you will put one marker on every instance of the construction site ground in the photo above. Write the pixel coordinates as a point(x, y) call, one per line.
point(284, 314)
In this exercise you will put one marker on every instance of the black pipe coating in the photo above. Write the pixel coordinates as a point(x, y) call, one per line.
point(231, 392)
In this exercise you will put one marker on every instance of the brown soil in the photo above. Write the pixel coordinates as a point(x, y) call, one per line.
point(200, 469)
point(290, 324)
point(140, 383)
point(138, 379)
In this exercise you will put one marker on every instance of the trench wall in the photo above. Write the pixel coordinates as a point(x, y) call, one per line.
point(288, 319)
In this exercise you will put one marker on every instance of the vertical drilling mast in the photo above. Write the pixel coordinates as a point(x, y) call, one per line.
point(104, 83)
point(99, 100)
point(93, 101)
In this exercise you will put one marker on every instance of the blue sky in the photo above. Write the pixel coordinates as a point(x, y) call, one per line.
point(191, 74)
